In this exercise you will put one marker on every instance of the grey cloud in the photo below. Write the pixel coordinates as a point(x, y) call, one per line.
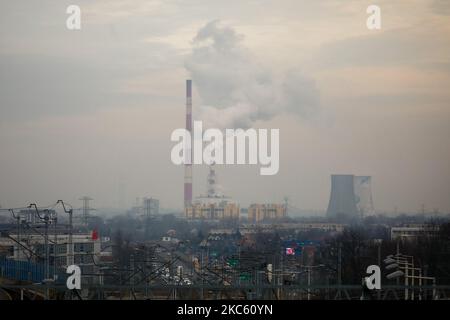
point(441, 7)
point(33, 86)
point(406, 46)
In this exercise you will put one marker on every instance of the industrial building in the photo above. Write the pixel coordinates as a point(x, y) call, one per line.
point(266, 212)
point(220, 210)
point(413, 232)
point(150, 207)
point(214, 205)
point(297, 227)
point(80, 249)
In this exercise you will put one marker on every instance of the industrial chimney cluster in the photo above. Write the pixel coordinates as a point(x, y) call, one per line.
point(214, 205)
point(350, 198)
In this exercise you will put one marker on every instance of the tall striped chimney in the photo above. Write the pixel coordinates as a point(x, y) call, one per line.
point(188, 164)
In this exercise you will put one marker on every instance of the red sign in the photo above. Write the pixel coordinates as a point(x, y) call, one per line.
point(290, 251)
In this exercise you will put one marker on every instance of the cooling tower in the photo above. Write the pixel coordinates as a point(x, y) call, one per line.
point(342, 205)
point(363, 195)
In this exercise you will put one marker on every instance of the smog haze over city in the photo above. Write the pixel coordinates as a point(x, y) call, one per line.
point(91, 112)
point(228, 155)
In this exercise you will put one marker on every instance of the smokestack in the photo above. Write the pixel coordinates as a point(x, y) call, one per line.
point(188, 164)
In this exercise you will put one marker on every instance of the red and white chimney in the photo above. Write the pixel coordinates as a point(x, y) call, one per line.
point(188, 164)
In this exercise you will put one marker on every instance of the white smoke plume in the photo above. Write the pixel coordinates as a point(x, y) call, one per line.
point(235, 89)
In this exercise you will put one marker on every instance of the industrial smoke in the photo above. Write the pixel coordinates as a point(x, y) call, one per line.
point(235, 89)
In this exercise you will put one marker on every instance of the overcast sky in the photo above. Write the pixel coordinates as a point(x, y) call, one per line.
point(90, 112)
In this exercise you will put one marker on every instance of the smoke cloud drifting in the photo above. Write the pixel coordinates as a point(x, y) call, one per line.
point(235, 89)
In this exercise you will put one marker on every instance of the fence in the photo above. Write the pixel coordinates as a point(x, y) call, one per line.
point(26, 271)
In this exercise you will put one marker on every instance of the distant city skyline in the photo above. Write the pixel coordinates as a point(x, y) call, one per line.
point(90, 112)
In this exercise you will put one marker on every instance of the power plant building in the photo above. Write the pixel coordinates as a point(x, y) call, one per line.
point(213, 205)
point(350, 198)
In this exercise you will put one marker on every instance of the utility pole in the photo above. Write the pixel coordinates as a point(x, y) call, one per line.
point(46, 219)
point(280, 277)
point(70, 212)
point(86, 209)
point(201, 275)
point(339, 270)
point(47, 251)
point(146, 249)
point(309, 283)
point(286, 206)
point(148, 211)
point(55, 246)
point(18, 239)
point(379, 264)
point(398, 255)
point(132, 274)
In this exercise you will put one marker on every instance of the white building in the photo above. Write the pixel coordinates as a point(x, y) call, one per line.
point(412, 232)
point(84, 250)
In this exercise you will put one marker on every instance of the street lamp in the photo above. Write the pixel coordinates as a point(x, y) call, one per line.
point(395, 274)
point(394, 261)
point(389, 260)
point(309, 277)
point(392, 266)
point(401, 262)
